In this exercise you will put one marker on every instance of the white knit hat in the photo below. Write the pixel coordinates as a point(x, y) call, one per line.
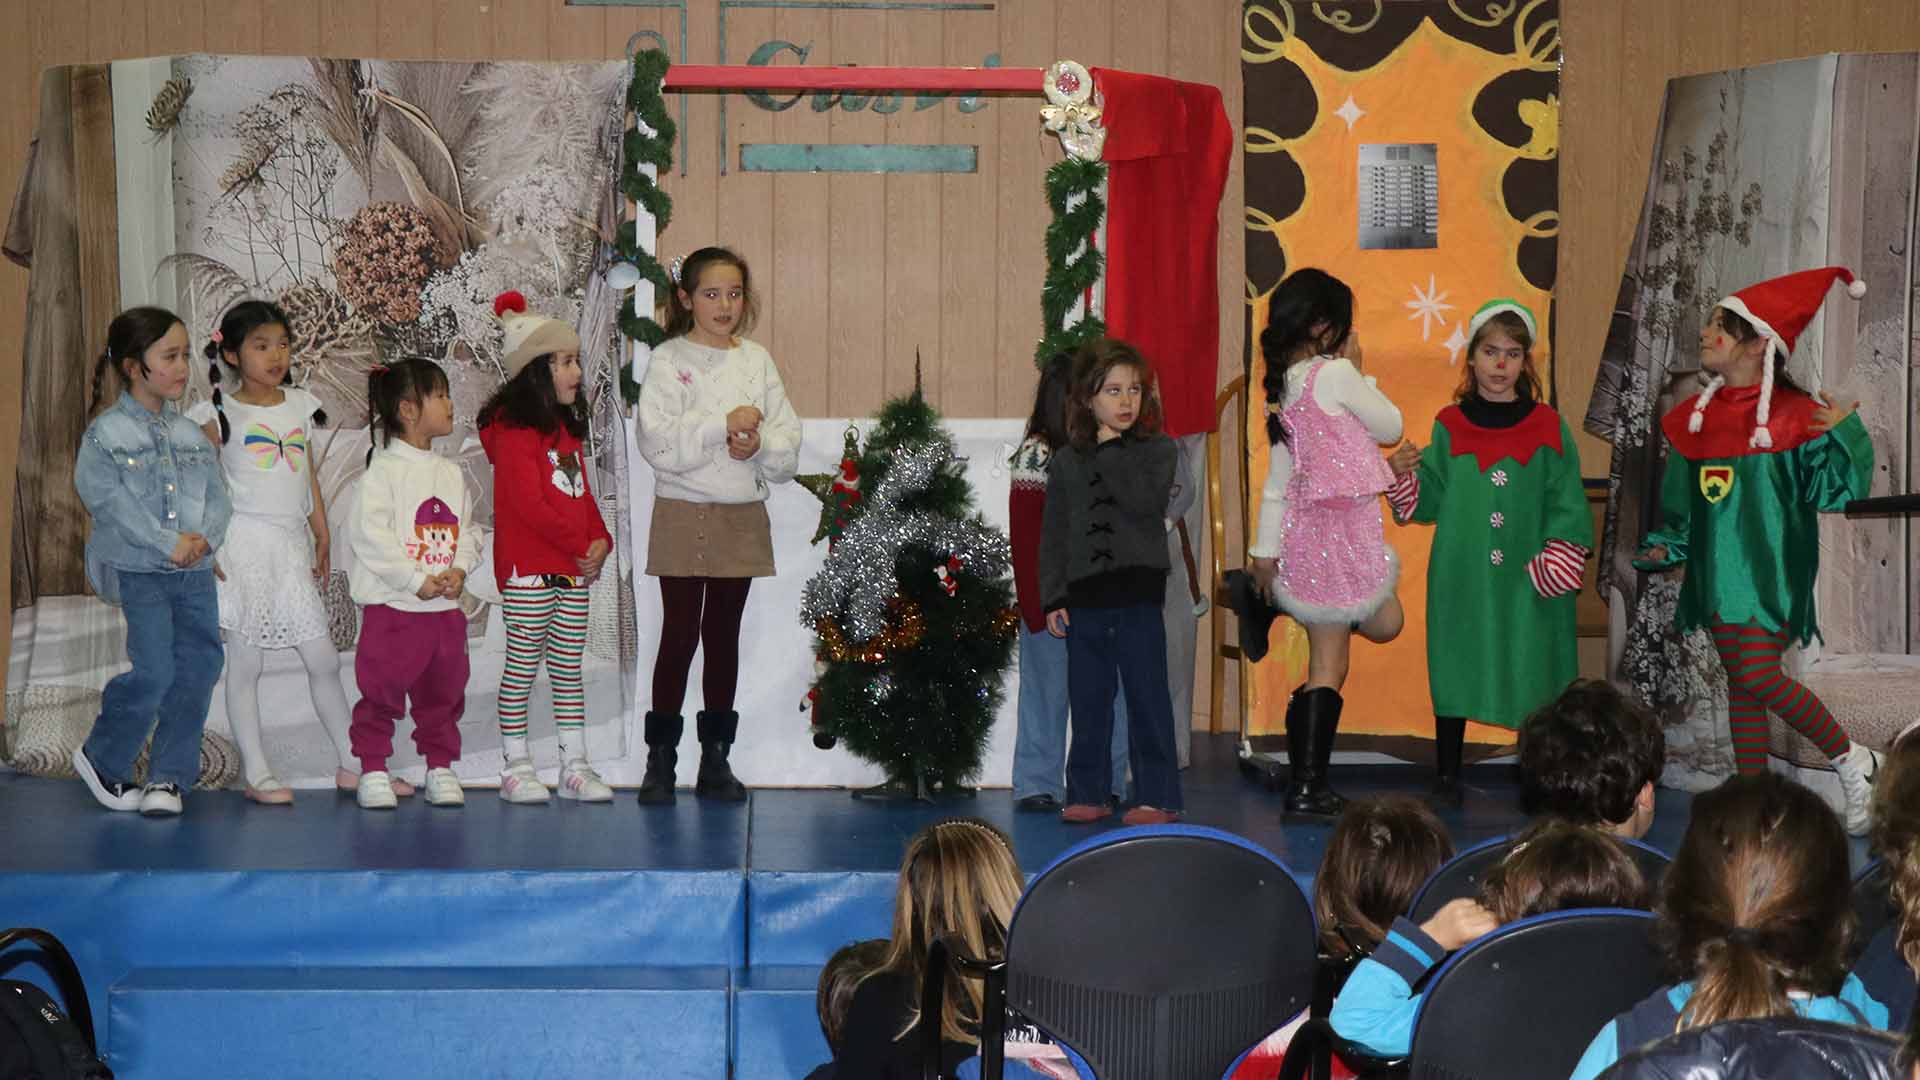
point(529, 336)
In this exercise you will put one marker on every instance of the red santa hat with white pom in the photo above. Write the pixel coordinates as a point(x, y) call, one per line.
point(1780, 310)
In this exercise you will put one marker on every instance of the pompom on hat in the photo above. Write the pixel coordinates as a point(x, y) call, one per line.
point(529, 336)
point(1780, 309)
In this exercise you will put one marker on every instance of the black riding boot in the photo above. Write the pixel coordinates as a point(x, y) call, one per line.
point(663, 732)
point(1449, 744)
point(1312, 718)
point(715, 779)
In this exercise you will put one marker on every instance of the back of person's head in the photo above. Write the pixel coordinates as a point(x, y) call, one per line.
point(1308, 313)
point(1896, 836)
point(959, 882)
point(1757, 900)
point(843, 973)
point(1381, 851)
point(1590, 757)
point(1556, 866)
point(1049, 417)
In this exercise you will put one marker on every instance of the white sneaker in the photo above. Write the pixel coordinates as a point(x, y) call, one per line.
point(579, 781)
point(375, 791)
point(113, 796)
point(521, 786)
point(160, 800)
point(443, 788)
point(1857, 768)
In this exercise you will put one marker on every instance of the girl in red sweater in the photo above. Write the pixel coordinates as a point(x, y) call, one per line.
point(549, 543)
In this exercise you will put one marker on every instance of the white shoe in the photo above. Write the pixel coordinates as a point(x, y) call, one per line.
point(579, 781)
point(521, 786)
point(375, 791)
point(113, 796)
point(443, 788)
point(160, 800)
point(1857, 768)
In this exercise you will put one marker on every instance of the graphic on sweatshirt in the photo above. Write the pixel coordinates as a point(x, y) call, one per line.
point(568, 476)
point(269, 449)
point(436, 531)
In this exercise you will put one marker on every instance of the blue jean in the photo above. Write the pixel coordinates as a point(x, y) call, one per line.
point(1040, 739)
point(1122, 649)
point(173, 639)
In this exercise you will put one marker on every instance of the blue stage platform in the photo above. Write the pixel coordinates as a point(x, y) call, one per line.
point(321, 939)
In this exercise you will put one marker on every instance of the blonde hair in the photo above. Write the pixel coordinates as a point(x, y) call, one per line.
point(958, 881)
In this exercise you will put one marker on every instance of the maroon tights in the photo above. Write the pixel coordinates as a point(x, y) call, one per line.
point(699, 611)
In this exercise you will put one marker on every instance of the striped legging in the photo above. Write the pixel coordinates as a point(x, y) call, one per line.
point(1757, 685)
point(550, 622)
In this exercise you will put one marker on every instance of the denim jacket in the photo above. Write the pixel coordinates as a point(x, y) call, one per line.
point(146, 478)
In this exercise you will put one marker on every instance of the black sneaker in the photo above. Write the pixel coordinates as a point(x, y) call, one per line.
point(1042, 803)
point(160, 800)
point(111, 794)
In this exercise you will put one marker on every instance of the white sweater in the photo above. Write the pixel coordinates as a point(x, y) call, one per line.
point(1340, 387)
point(681, 422)
point(401, 537)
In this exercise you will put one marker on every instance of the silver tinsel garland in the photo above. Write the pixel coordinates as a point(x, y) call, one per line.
point(853, 588)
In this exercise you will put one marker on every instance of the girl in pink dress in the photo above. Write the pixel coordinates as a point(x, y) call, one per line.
point(1321, 552)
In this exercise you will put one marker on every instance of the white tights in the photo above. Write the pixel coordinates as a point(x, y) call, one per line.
point(244, 665)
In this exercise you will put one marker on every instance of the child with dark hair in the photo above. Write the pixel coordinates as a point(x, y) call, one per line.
point(550, 543)
point(849, 965)
point(1591, 757)
point(1554, 866)
point(279, 546)
point(1755, 916)
point(1896, 839)
point(160, 509)
point(1381, 851)
point(413, 546)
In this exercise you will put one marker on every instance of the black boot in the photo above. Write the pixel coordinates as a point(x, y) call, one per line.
point(1449, 743)
point(1312, 717)
point(663, 742)
point(716, 780)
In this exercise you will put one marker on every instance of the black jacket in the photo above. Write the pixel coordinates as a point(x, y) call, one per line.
point(1103, 541)
point(1764, 1050)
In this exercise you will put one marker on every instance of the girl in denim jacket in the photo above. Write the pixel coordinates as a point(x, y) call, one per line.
point(160, 509)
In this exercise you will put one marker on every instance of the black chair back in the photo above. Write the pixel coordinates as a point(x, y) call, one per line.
point(1760, 1049)
point(1553, 981)
point(1876, 959)
point(1461, 875)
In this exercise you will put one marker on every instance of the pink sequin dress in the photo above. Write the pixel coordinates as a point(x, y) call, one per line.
point(1335, 565)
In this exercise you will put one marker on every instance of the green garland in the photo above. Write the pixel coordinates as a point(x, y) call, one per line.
point(1067, 282)
point(647, 103)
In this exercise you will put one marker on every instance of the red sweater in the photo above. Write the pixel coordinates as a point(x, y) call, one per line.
point(544, 514)
point(1026, 510)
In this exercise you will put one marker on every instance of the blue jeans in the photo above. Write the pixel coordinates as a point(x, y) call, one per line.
point(1040, 740)
point(1122, 649)
point(173, 639)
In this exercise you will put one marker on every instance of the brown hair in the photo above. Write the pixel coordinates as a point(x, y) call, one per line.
point(1896, 836)
point(850, 965)
point(1586, 755)
point(129, 336)
point(958, 881)
point(680, 315)
point(1528, 384)
point(1557, 865)
point(1091, 363)
point(1381, 851)
point(1756, 902)
point(1743, 331)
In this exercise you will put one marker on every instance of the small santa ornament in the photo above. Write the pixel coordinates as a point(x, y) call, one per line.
point(1780, 310)
point(949, 574)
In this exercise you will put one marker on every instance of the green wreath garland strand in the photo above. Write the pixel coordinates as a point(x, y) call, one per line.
point(647, 102)
point(1067, 281)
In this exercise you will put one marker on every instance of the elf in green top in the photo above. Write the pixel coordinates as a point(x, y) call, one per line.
point(1744, 483)
point(1500, 481)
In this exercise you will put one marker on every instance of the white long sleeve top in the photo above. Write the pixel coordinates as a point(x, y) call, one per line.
point(681, 422)
point(410, 523)
point(1340, 387)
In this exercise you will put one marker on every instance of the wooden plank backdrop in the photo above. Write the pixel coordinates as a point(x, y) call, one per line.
point(856, 272)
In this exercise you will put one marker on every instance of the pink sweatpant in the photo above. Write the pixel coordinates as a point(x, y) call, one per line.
point(402, 655)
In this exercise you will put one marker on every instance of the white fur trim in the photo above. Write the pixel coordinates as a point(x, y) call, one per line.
point(1739, 307)
point(1480, 318)
point(1318, 614)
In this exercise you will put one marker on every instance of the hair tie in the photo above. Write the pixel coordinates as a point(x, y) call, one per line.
point(1743, 935)
point(379, 369)
point(673, 268)
point(217, 337)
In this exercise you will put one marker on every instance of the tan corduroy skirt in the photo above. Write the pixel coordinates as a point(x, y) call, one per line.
point(697, 539)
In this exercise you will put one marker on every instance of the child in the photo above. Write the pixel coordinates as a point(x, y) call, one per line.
point(1321, 552)
point(1381, 851)
point(412, 550)
point(160, 510)
point(269, 572)
point(1040, 740)
point(550, 543)
point(1739, 506)
point(1103, 581)
point(1896, 839)
point(715, 424)
point(1554, 867)
point(1755, 915)
point(958, 881)
point(1591, 757)
point(1500, 481)
point(845, 970)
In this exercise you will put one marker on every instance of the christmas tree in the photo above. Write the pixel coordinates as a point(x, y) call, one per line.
point(913, 610)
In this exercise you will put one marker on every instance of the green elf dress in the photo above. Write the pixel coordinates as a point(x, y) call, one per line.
point(1500, 481)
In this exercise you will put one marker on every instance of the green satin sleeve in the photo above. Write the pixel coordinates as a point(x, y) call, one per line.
point(1837, 467)
point(1676, 515)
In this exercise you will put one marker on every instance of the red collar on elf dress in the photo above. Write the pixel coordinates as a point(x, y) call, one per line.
point(1729, 420)
point(1540, 428)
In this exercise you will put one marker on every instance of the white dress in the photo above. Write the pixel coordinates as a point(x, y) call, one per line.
point(269, 598)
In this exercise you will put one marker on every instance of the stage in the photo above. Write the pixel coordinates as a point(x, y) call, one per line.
point(326, 940)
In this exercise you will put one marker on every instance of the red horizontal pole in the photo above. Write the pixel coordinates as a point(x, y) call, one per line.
point(794, 77)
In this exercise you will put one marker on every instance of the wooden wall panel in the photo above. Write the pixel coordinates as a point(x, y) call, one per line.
point(801, 231)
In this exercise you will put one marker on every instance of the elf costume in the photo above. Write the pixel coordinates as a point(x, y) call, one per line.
point(1500, 481)
point(1744, 483)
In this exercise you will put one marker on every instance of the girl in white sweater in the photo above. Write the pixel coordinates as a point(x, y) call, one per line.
point(715, 424)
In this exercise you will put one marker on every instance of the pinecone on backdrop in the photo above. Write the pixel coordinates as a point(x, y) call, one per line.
point(332, 350)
